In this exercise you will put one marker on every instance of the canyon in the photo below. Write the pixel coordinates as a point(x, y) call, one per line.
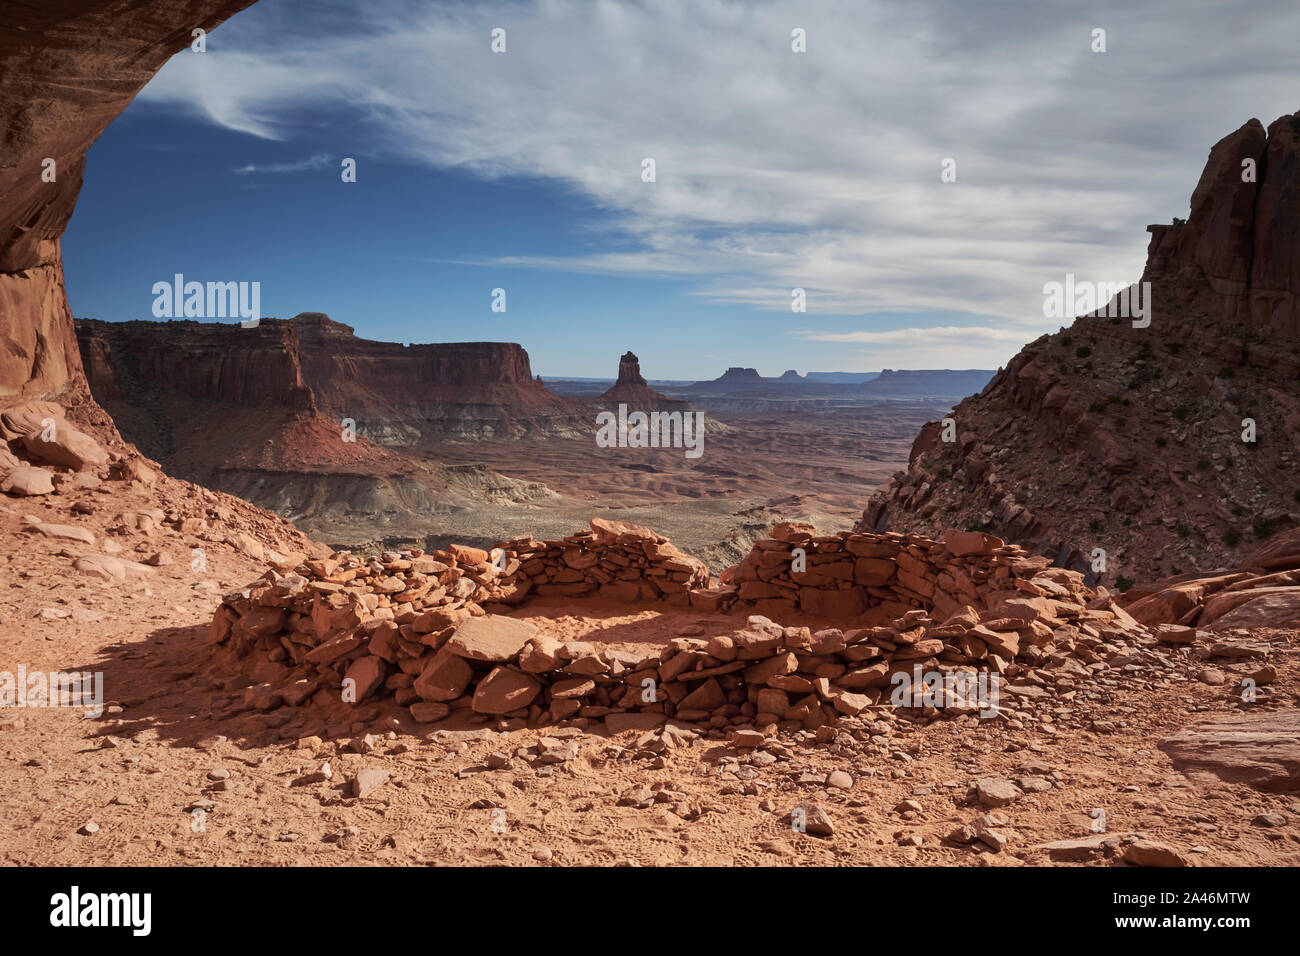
point(348, 706)
point(461, 442)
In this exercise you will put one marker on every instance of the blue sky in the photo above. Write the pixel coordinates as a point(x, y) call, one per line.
point(820, 170)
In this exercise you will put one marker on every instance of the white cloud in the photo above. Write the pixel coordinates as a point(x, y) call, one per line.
point(776, 169)
point(317, 161)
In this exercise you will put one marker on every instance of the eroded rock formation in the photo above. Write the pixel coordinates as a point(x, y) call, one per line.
point(67, 69)
point(632, 390)
point(1130, 439)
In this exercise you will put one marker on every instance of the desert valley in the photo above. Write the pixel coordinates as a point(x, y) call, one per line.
point(355, 602)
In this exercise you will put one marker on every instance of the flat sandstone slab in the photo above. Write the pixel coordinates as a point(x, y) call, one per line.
point(1262, 750)
point(491, 638)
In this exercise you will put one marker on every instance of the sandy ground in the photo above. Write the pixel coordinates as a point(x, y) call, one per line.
point(177, 771)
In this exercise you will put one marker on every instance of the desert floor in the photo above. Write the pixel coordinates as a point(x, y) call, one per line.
point(177, 771)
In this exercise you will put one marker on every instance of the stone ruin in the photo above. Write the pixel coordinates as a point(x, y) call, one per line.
point(425, 629)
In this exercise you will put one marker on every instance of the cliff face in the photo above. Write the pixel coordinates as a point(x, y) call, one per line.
point(1239, 251)
point(67, 69)
point(396, 395)
point(139, 362)
point(411, 395)
point(1129, 439)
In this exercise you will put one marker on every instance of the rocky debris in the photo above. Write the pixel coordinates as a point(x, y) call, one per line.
point(44, 451)
point(1130, 439)
point(1260, 749)
point(200, 514)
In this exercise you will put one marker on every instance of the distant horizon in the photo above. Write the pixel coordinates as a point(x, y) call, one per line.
point(549, 375)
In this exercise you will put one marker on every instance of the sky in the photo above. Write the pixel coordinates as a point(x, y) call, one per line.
point(821, 170)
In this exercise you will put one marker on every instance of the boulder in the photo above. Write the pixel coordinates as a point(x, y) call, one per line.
point(367, 673)
point(66, 447)
point(18, 421)
point(109, 568)
point(1279, 553)
point(504, 690)
point(445, 677)
point(27, 481)
point(962, 543)
point(1266, 607)
point(68, 531)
